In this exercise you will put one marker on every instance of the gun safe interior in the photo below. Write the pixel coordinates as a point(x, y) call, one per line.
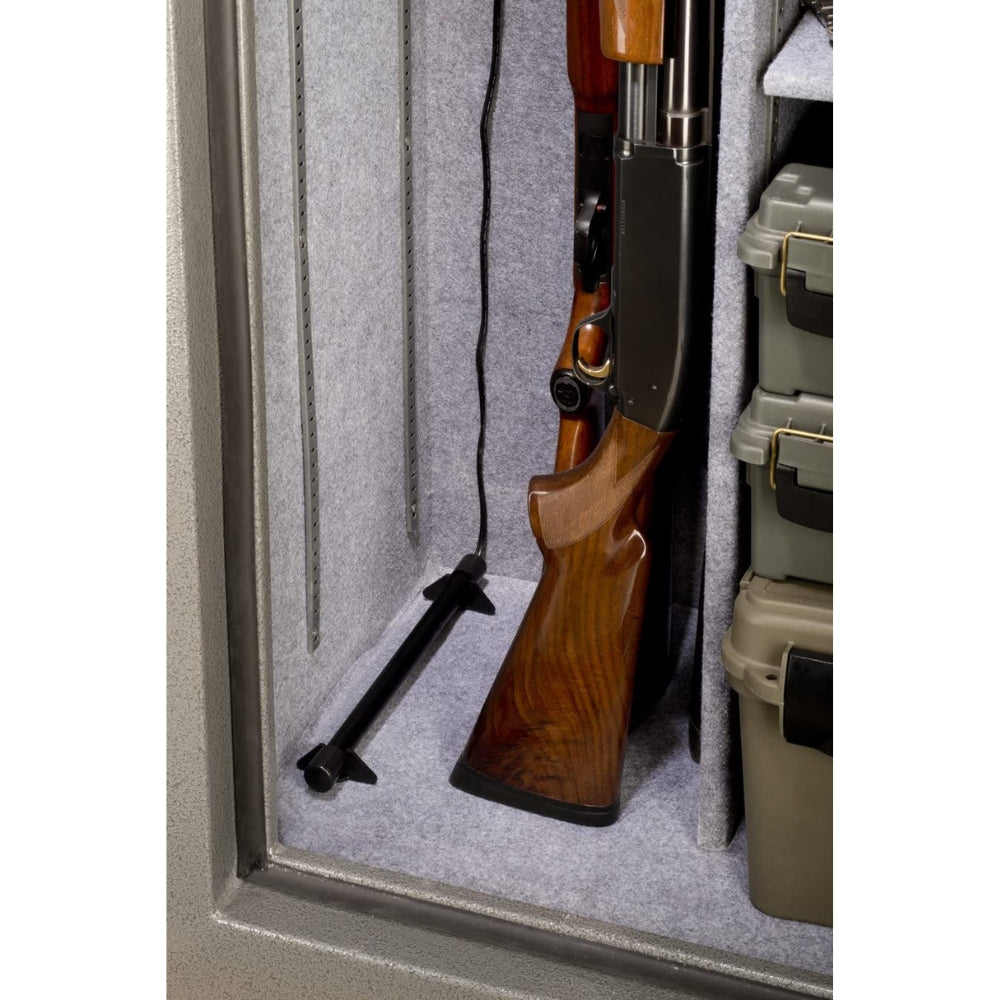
point(369, 182)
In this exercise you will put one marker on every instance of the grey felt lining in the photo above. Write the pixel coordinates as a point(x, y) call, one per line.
point(803, 68)
point(531, 263)
point(368, 565)
point(647, 871)
point(742, 176)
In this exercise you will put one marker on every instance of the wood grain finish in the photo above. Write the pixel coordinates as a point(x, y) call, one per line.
point(632, 30)
point(555, 721)
point(579, 432)
point(593, 77)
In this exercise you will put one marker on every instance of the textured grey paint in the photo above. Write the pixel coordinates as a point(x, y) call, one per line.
point(198, 717)
point(543, 931)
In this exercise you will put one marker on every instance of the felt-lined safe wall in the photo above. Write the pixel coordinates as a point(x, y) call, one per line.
point(647, 871)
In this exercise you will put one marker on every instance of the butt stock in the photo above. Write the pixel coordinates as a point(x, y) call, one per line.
point(551, 735)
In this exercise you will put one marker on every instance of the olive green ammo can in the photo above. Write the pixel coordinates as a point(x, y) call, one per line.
point(789, 244)
point(778, 655)
point(787, 445)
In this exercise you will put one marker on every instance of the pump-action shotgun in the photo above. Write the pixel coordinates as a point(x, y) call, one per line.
point(551, 735)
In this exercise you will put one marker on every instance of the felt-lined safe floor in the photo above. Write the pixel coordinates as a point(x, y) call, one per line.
point(645, 872)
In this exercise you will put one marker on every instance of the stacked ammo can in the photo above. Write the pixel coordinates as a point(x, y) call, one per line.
point(778, 652)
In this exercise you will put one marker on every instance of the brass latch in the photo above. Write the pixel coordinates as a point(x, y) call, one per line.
point(784, 253)
point(792, 433)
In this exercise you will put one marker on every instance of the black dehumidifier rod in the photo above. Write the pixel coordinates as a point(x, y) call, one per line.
point(336, 760)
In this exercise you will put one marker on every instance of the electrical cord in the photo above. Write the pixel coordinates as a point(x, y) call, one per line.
point(484, 272)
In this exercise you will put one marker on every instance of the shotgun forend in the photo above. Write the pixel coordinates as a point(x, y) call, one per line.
point(632, 30)
point(550, 737)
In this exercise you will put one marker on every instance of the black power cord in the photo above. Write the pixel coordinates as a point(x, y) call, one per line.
point(484, 272)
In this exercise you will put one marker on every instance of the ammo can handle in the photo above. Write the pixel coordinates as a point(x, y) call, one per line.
point(800, 504)
point(807, 310)
point(807, 712)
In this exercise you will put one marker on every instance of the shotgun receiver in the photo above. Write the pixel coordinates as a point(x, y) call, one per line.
point(551, 735)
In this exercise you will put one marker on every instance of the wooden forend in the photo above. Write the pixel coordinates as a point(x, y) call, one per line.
point(632, 30)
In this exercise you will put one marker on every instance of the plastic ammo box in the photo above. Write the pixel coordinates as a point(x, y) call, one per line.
point(778, 655)
point(787, 445)
point(789, 244)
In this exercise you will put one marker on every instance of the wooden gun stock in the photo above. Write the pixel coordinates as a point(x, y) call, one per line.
point(551, 735)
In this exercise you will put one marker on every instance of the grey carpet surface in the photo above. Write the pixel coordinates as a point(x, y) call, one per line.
point(646, 871)
point(803, 68)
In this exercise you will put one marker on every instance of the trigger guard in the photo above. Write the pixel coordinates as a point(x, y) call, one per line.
point(588, 374)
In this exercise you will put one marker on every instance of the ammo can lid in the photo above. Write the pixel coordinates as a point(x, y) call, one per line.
point(804, 413)
point(770, 618)
point(799, 199)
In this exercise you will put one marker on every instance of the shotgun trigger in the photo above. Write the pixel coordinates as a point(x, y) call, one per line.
point(593, 375)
